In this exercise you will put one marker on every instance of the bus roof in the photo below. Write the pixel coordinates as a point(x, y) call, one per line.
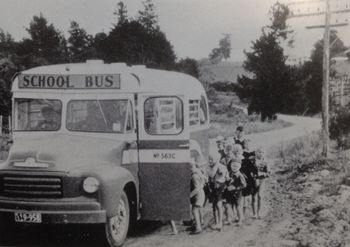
point(132, 79)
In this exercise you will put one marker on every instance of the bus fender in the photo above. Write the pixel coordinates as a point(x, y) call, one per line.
point(112, 187)
point(112, 183)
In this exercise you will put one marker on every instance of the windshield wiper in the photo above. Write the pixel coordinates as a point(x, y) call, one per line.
point(103, 115)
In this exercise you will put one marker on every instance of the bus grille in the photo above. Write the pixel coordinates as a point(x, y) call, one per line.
point(31, 186)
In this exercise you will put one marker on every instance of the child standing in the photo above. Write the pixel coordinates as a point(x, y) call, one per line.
point(220, 143)
point(239, 138)
point(197, 196)
point(235, 185)
point(218, 175)
point(263, 173)
point(250, 172)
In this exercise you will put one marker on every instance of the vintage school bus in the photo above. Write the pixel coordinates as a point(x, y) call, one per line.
point(98, 143)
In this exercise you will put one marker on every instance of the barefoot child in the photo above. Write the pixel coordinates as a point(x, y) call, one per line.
point(218, 175)
point(235, 185)
point(197, 196)
point(263, 173)
point(250, 172)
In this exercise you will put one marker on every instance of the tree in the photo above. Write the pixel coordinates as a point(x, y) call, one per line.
point(80, 44)
point(132, 43)
point(314, 67)
point(223, 51)
point(101, 46)
point(7, 70)
point(45, 41)
point(7, 44)
point(266, 90)
point(225, 46)
point(121, 12)
point(188, 66)
point(148, 17)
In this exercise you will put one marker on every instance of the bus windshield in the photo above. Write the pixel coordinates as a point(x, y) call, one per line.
point(110, 116)
point(37, 114)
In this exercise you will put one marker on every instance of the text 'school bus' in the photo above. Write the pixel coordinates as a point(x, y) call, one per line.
point(102, 143)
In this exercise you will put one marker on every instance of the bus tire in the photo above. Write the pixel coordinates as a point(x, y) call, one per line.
point(117, 226)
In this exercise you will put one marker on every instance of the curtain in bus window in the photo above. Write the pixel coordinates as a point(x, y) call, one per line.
point(163, 115)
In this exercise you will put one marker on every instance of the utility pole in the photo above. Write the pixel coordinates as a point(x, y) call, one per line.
point(326, 58)
point(325, 83)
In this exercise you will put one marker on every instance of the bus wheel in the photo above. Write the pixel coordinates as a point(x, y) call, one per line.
point(117, 226)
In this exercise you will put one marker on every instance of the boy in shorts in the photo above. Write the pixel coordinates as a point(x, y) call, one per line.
point(218, 175)
point(235, 185)
point(197, 196)
point(263, 173)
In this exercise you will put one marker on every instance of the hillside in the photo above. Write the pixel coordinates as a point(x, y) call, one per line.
point(225, 71)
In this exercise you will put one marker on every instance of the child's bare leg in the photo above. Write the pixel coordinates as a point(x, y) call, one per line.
point(260, 195)
point(173, 227)
point(254, 204)
point(239, 214)
point(197, 218)
point(220, 214)
point(201, 216)
point(226, 208)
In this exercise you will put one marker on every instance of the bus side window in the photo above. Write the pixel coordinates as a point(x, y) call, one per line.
point(163, 115)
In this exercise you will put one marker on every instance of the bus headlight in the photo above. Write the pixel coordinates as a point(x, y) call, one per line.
point(90, 185)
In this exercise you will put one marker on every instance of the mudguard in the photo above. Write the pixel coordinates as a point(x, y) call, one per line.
point(113, 180)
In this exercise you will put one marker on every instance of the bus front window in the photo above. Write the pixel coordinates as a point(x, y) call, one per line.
point(37, 114)
point(109, 116)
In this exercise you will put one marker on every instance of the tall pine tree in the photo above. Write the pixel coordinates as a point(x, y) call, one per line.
point(121, 13)
point(265, 89)
point(80, 44)
point(148, 16)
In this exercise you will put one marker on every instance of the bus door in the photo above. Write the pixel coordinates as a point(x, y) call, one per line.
point(164, 171)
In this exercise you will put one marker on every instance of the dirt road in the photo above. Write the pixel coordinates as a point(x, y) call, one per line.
point(263, 232)
point(301, 126)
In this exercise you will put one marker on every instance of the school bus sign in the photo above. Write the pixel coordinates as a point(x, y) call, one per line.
point(50, 81)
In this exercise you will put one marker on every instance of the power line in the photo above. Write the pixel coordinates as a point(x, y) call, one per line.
point(323, 26)
point(319, 13)
point(303, 2)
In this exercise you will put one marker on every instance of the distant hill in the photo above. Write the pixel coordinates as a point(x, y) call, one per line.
point(225, 71)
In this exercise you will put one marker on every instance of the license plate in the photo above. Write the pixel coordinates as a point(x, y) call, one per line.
point(28, 217)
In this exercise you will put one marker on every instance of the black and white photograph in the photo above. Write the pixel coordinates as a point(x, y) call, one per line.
point(176, 123)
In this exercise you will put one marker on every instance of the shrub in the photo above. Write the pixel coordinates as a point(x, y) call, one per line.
point(340, 128)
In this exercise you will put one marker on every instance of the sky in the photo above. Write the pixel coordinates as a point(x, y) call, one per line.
point(194, 27)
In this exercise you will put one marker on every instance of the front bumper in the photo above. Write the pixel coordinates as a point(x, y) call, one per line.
point(55, 211)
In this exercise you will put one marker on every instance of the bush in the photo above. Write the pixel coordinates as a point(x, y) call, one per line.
point(5, 144)
point(339, 127)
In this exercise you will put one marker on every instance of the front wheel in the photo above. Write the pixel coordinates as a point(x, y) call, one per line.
point(117, 226)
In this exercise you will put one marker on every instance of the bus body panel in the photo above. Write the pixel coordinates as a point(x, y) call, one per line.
point(164, 190)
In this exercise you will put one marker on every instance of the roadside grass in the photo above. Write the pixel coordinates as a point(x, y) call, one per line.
point(225, 117)
point(225, 123)
point(318, 191)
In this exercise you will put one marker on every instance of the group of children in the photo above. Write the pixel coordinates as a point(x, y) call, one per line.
point(234, 172)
